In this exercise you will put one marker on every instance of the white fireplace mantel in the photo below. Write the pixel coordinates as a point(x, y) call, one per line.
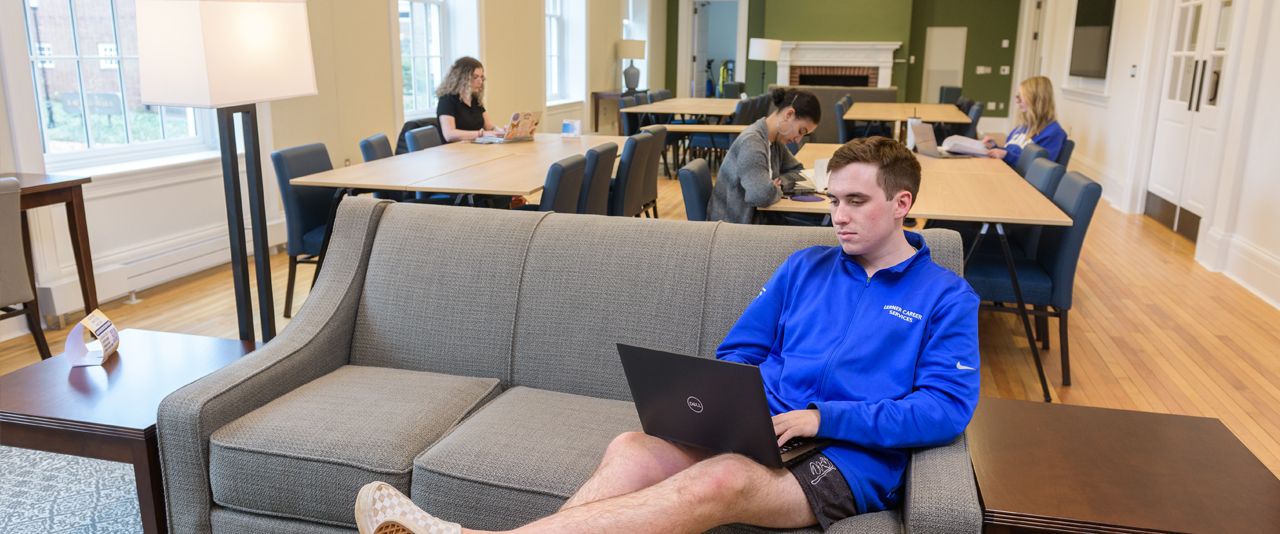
point(838, 54)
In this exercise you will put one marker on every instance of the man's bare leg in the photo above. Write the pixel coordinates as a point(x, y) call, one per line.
point(634, 461)
point(724, 489)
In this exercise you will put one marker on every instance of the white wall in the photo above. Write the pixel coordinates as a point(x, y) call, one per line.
point(1100, 124)
point(1113, 131)
point(1248, 232)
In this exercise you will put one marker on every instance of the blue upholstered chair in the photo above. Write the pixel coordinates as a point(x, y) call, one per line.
point(743, 114)
point(695, 183)
point(1064, 155)
point(378, 147)
point(949, 93)
point(1030, 153)
point(654, 164)
point(630, 121)
point(845, 127)
point(423, 138)
point(626, 189)
point(306, 208)
point(594, 197)
point(563, 186)
point(971, 129)
point(1048, 279)
point(402, 146)
point(1024, 239)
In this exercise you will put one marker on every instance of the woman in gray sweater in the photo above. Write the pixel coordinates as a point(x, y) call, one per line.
point(758, 166)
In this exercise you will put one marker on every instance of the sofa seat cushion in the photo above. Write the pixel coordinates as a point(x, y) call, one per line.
point(519, 458)
point(307, 453)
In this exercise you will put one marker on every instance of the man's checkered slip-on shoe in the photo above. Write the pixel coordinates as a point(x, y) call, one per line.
point(381, 509)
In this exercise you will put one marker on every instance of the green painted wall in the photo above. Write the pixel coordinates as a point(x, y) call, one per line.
point(989, 21)
point(838, 20)
point(673, 41)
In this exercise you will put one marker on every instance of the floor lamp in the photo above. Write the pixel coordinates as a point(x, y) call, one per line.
point(764, 50)
point(230, 55)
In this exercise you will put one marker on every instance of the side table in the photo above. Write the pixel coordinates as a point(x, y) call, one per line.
point(597, 96)
point(109, 412)
point(1057, 468)
point(49, 189)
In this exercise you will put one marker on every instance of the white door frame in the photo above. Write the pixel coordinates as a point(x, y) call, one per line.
point(684, 45)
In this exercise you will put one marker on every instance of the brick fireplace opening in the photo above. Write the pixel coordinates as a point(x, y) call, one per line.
point(838, 76)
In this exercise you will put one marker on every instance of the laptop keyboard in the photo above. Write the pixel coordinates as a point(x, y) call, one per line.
point(791, 444)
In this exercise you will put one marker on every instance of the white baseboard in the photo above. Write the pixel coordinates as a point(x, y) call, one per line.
point(1111, 184)
point(13, 328)
point(1255, 269)
point(148, 265)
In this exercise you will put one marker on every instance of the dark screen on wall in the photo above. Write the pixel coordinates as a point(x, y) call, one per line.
point(1092, 40)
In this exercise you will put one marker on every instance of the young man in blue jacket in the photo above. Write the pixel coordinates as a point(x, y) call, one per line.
point(869, 343)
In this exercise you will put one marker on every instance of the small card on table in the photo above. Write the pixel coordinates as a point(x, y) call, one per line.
point(82, 355)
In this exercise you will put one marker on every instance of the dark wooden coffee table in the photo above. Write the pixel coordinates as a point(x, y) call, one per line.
point(1054, 468)
point(109, 412)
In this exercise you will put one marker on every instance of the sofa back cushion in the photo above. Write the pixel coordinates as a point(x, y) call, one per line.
point(591, 282)
point(441, 290)
point(743, 258)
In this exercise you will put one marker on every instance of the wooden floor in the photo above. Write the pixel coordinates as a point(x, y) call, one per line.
point(1151, 330)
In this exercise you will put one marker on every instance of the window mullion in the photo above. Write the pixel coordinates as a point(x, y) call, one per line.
point(124, 98)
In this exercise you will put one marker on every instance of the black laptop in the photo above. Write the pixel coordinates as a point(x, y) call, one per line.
point(707, 403)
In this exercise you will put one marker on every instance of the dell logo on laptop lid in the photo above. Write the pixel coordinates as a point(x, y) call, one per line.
point(694, 404)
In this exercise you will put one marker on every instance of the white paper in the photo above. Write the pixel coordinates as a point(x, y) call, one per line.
point(959, 144)
point(815, 179)
point(97, 352)
point(911, 136)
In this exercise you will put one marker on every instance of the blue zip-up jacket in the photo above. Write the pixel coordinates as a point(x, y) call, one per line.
point(890, 362)
point(1050, 138)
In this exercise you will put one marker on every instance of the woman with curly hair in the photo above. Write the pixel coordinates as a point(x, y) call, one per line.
point(460, 107)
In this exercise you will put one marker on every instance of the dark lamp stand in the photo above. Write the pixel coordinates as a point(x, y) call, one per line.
point(235, 219)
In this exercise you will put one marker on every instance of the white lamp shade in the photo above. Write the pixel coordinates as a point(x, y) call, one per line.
point(630, 49)
point(764, 49)
point(221, 53)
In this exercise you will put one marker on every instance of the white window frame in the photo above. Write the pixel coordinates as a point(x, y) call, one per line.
point(555, 51)
point(445, 57)
point(205, 139)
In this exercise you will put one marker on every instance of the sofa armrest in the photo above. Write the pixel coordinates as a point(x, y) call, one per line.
point(316, 342)
point(941, 495)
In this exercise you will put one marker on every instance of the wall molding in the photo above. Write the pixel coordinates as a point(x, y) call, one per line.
point(1111, 184)
point(1255, 269)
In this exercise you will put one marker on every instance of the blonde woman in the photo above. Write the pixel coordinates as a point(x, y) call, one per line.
point(460, 107)
point(1037, 122)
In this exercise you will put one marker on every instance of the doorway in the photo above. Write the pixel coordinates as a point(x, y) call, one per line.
point(1182, 185)
point(943, 60)
point(715, 44)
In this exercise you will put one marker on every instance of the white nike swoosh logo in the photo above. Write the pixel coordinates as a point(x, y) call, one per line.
point(958, 366)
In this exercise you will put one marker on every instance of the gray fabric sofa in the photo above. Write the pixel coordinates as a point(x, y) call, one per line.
point(828, 131)
point(467, 357)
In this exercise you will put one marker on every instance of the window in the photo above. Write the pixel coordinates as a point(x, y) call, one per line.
point(556, 84)
point(84, 62)
point(421, 55)
point(634, 26)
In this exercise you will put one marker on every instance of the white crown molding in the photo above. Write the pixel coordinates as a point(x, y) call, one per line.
point(877, 54)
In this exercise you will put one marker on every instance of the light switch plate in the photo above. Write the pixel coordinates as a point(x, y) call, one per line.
point(911, 60)
point(1002, 105)
point(979, 70)
point(991, 105)
point(1004, 43)
point(1004, 69)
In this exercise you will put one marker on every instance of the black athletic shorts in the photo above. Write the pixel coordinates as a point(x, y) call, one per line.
point(828, 492)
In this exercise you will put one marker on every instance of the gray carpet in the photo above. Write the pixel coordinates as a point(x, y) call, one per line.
point(42, 493)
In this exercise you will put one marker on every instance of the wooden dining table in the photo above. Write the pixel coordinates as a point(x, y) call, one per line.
point(980, 190)
point(503, 169)
point(900, 112)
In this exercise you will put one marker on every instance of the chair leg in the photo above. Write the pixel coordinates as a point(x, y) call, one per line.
point(1066, 353)
point(288, 292)
point(37, 333)
point(1042, 327)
